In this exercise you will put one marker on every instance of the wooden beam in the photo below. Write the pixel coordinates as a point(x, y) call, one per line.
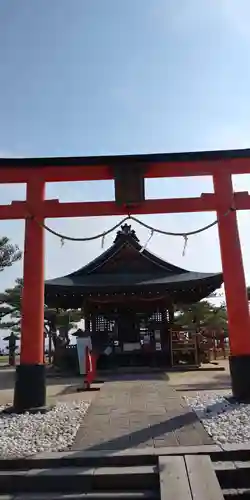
point(207, 202)
point(234, 277)
point(14, 211)
point(202, 478)
point(50, 173)
point(241, 200)
point(174, 479)
point(55, 174)
point(109, 208)
point(234, 166)
point(55, 209)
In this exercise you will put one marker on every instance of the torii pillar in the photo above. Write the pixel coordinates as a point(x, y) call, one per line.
point(30, 387)
point(235, 287)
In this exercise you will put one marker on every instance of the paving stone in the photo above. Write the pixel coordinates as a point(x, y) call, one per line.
point(192, 436)
point(139, 413)
point(171, 440)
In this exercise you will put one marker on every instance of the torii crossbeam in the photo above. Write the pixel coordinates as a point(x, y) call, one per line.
point(30, 387)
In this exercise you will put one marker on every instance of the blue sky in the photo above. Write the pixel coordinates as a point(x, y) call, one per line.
point(82, 77)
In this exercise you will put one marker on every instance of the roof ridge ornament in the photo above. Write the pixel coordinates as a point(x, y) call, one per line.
point(126, 232)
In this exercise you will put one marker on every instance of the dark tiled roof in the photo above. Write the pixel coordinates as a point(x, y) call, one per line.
point(156, 273)
point(115, 280)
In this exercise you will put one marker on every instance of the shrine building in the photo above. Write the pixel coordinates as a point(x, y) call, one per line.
point(128, 297)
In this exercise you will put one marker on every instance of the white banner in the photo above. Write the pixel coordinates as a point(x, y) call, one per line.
point(82, 343)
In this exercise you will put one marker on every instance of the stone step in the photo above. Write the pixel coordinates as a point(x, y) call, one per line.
point(110, 495)
point(79, 479)
point(236, 494)
point(233, 475)
point(82, 459)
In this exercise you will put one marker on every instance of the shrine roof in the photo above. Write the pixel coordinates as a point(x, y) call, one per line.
point(111, 160)
point(127, 264)
point(132, 280)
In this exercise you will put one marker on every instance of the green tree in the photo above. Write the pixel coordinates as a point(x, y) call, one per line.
point(10, 306)
point(57, 322)
point(12, 346)
point(202, 315)
point(9, 253)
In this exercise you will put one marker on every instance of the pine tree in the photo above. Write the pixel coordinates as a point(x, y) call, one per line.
point(57, 322)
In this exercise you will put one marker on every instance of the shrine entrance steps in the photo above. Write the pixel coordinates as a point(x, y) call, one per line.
point(201, 472)
point(138, 411)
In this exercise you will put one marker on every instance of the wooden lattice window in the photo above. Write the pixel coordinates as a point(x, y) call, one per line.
point(156, 317)
point(103, 324)
point(166, 315)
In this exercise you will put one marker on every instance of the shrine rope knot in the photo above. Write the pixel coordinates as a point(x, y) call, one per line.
point(152, 230)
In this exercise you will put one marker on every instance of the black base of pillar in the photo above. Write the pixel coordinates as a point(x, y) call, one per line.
point(30, 388)
point(87, 388)
point(240, 376)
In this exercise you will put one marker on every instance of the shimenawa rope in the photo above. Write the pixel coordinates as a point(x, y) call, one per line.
point(141, 223)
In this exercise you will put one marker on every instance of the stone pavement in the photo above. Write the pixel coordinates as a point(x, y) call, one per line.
point(139, 413)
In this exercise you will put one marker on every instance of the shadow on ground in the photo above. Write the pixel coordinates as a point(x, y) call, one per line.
point(154, 375)
point(220, 381)
point(174, 425)
point(138, 438)
point(7, 379)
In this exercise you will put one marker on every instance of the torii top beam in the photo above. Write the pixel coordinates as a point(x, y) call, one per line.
point(65, 169)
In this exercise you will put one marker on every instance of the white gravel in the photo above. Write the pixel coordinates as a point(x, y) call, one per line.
point(225, 422)
point(27, 434)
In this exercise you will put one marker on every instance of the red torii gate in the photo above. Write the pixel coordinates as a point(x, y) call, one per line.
point(129, 173)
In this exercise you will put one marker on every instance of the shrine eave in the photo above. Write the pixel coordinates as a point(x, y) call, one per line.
point(185, 291)
point(111, 160)
point(97, 282)
point(186, 288)
point(137, 271)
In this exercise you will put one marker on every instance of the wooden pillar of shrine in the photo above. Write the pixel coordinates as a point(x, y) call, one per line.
point(171, 314)
point(30, 386)
point(86, 314)
point(235, 287)
point(164, 328)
